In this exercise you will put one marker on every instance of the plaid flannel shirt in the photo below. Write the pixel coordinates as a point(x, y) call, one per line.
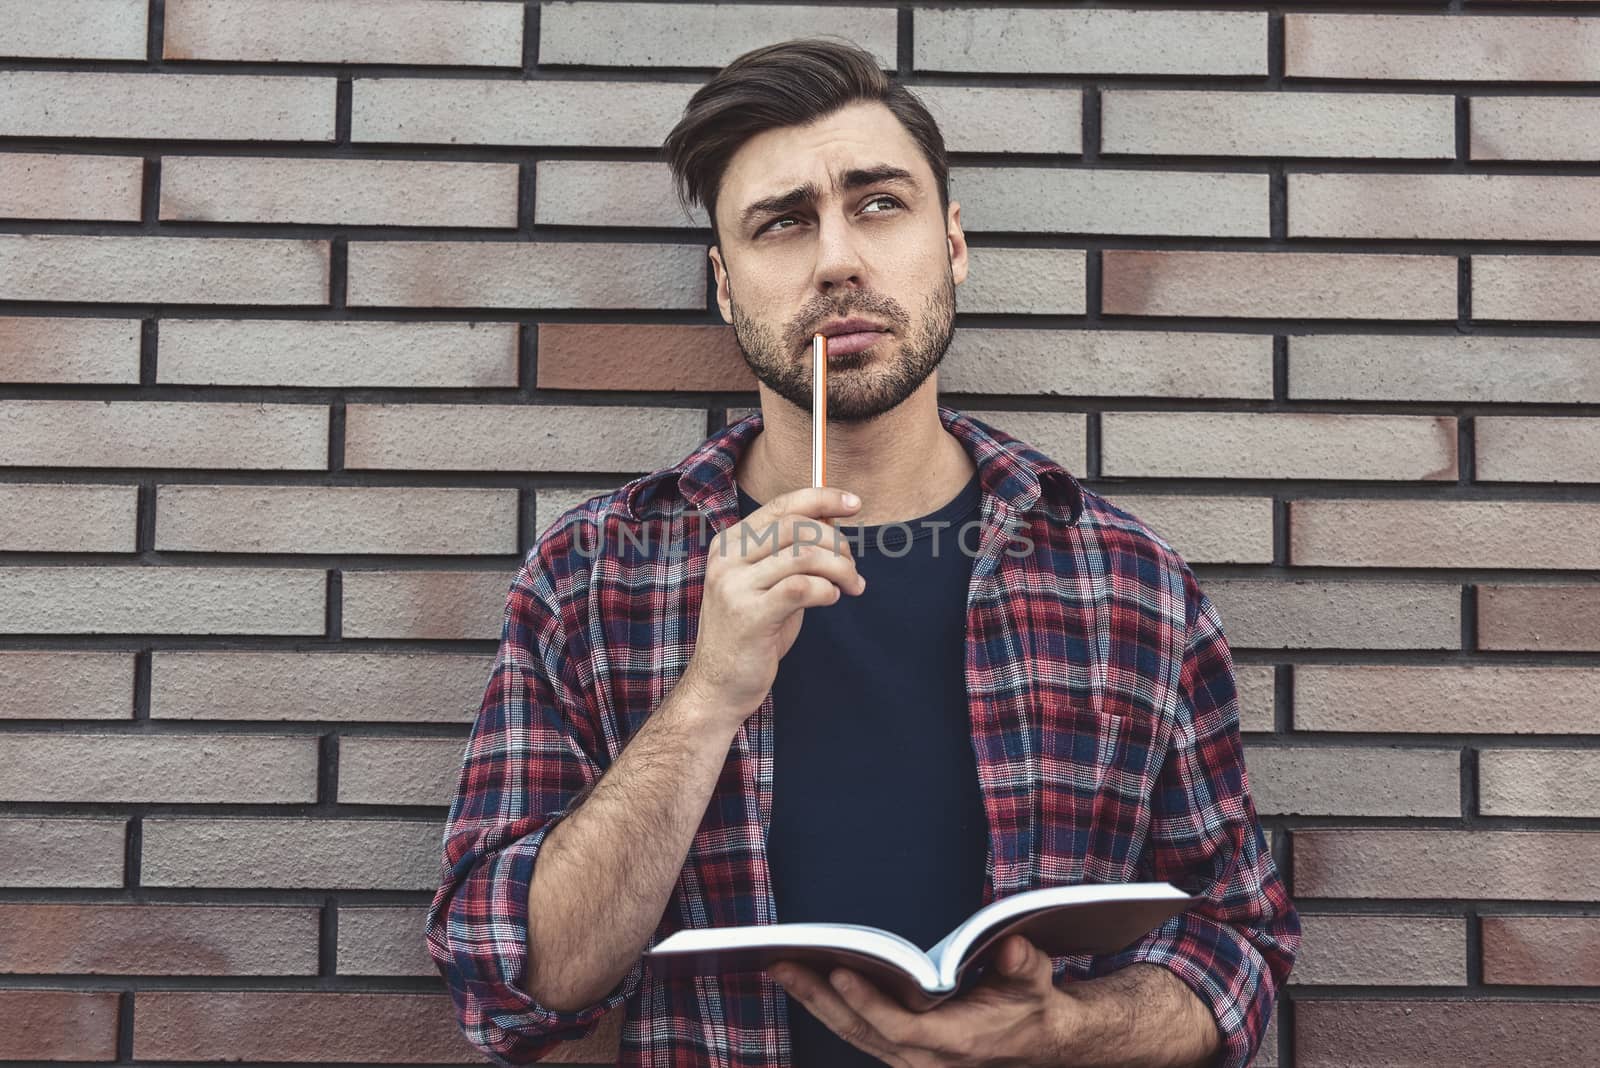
point(1105, 727)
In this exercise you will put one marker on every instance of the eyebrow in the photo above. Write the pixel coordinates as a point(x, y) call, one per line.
point(810, 192)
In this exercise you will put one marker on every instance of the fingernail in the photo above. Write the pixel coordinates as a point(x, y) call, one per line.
point(851, 499)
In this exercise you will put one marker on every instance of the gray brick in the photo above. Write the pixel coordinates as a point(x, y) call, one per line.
point(163, 270)
point(322, 854)
point(74, 29)
point(375, 687)
point(1102, 201)
point(1022, 41)
point(61, 852)
point(410, 32)
point(161, 600)
point(167, 106)
point(560, 274)
point(555, 114)
point(698, 35)
point(204, 769)
point(1081, 363)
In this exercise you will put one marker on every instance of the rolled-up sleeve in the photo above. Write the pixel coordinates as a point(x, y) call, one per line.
point(1235, 948)
point(529, 760)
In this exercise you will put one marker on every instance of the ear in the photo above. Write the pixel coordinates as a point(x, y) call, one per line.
point(724, 292)
point(956, 242)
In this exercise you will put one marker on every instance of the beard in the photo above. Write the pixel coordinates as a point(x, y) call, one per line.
point(862, 385)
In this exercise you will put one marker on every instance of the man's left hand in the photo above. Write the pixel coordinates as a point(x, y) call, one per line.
point(1008, 1018)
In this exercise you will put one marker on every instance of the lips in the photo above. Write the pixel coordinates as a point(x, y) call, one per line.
point(849, 336)
point(848, 344)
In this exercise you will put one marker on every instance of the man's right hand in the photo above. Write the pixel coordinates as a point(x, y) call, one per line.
point(761, 575)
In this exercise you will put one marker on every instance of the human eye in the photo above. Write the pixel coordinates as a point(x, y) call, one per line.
point(774, 224)
point(883, 196)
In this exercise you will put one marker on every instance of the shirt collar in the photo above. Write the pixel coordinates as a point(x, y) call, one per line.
point(1010, 469)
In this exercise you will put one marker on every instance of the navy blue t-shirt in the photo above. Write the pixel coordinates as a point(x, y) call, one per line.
point(876, 813)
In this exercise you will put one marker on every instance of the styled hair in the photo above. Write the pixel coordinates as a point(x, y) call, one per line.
point(791, 83)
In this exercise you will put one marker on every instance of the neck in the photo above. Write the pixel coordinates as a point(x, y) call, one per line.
point(903, 465)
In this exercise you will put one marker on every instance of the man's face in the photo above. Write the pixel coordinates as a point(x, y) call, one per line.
point(879, 249)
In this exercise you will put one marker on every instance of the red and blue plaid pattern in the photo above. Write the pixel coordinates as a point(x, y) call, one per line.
point(1105, 726)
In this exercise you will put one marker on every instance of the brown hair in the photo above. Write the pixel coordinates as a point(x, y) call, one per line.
point(791, 83)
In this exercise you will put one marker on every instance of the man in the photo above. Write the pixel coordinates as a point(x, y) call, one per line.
point(663, 744)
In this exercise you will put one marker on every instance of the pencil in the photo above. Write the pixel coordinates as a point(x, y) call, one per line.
point(819, 410)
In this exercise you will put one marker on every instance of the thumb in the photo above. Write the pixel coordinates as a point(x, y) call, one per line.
point(1017, 958)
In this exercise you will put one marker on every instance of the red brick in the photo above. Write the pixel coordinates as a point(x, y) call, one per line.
point(1556, 618)
point(115, 939)
point(298, 1027)
point(61, 1025)
point(1541, 950)
point(1443, 1034)
point(640, 356)
point(1279, 285)
point(1488, 865)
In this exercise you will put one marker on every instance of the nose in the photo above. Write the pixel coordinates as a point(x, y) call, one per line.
point(839, 260)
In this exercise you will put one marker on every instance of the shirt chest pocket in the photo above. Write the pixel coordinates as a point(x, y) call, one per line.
point(1095, 780)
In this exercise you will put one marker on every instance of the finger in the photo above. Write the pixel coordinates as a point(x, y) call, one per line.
point(812, 561)
point(1020, 962)
point(819, 502)
point(887, 1016)
point(754, 538)
point(822, 1001)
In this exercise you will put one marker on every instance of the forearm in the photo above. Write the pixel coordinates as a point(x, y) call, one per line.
point(605, 872)
point(1142, 1016)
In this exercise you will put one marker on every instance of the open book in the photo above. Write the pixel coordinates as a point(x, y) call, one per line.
point(1060, 920)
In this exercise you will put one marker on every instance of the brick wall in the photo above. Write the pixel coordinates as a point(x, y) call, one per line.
point(313, 312)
